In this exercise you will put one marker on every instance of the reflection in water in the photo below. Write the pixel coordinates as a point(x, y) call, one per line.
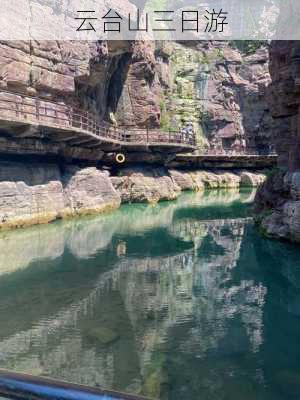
point(183, 300)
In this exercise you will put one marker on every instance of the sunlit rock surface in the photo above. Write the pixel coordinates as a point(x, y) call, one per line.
point(146, 185)
point(151, 185)
point(40, 193)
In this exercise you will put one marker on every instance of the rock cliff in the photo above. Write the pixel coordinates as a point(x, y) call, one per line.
point(278, 200)
point(218, 87)
point(221, 88)
point(137, 84)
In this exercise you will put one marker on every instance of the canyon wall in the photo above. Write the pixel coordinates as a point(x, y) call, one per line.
point(278, 202)
point(218, 86)
point(215, 85)
point(221, 88)
point(137, 84)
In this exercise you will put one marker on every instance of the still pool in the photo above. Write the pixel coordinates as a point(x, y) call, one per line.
point(183, 300)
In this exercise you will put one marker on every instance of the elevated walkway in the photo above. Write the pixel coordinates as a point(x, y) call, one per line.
point(247, 160)
point(25, 116)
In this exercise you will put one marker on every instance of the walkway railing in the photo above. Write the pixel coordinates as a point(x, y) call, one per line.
point(30, 110)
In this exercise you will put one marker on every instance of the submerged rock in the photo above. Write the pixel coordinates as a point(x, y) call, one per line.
point(103, 335)
point(156, 383)
point(288, 382)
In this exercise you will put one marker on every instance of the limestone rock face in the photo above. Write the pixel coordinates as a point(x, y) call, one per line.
point(278, 199)
point(182, 179)
point(40, 193)
point(284, 100)
point(153, 185)
point(217, 87)
point(136, 90)
point(249, 179)
point(220, 89)
point(47, 67)
point(220, 180)
point(146, 185)
point(76, 73)
point(88, 191)
point(29, 194)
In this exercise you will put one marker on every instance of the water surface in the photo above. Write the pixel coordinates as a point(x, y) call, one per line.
point(184, 300)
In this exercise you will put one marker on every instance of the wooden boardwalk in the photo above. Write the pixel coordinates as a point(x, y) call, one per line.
point(62, 123)
point(247, 159)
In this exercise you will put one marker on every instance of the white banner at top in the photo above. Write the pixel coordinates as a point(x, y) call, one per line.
point(150, 19)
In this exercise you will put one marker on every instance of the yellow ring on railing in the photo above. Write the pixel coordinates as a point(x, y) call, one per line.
point(120, 158)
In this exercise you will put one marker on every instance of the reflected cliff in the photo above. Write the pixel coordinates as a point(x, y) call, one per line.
point(172, 301)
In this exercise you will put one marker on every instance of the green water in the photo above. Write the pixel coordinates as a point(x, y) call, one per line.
point(184, 300)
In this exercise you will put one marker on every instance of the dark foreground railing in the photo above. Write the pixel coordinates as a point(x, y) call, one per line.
point(26, 387)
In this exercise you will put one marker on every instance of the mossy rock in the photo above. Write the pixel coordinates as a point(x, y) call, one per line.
point(154, 383)
point(103, 335)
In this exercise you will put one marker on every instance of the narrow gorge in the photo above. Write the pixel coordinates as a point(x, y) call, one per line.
point(151, 179)
point(218, 88)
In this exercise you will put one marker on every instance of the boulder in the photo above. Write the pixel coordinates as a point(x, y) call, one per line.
point(182, 179)
point(39, 193)
point(212, 180)
point(102, 335)
point(145, 185)
point(249, 179)
point(87, 191)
